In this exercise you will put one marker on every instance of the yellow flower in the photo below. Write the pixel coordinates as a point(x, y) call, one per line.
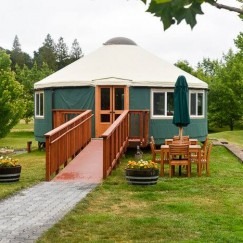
point(8, 162)
point(141, 164)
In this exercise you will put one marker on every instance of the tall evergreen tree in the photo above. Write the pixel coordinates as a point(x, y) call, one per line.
point(62, 53)
point(76, 51)
point(17, 56)
point(46, 54)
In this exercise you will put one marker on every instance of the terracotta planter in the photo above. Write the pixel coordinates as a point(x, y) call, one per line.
point(10, 174)
point(142, 176)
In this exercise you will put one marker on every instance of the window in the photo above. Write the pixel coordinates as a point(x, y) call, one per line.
point(196, 103)
point(162, 103)
point(39, 104)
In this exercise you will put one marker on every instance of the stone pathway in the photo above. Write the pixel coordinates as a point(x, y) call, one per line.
point(29, 213)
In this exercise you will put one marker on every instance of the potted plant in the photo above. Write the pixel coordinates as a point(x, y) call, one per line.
point(142, 172)
point(9, 169)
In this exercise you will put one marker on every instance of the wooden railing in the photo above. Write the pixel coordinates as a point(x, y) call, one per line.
point(138, 127)
point(116, 138)
point(66, 141)
point(115, 142)
point(60, 116)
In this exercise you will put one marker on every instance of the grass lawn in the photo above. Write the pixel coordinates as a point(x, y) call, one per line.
point(33, 164)
point(231, 136)
point(178, 209)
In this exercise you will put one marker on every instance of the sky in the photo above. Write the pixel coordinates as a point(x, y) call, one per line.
point(93, 22)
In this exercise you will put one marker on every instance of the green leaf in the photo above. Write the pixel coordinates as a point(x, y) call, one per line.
point(174, 11)
point(164, 11)
point(190, 14)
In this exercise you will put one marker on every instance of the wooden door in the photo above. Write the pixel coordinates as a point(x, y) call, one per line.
point(110, 103)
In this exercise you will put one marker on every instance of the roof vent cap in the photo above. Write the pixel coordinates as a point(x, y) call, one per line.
point(120, 41)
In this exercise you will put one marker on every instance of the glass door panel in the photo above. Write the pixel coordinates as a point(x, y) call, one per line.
point(119, 98)
point(105, 99)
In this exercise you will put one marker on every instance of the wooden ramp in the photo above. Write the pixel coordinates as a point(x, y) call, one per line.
point(87, 166)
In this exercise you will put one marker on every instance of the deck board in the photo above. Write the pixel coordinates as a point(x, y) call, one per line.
point(87, 166)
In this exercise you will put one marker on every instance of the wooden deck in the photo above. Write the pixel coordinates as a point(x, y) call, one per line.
point(87, 166)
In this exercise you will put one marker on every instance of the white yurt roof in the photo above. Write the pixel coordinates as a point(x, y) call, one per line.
point(119, 62)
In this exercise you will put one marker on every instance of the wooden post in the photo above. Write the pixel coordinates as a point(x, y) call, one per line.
point(48, 158)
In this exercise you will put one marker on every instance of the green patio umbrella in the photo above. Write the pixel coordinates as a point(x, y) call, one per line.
point(181, 116)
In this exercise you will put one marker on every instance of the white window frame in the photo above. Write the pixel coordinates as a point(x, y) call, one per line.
point(165, 91)
point(203, 103)
point(38, 105)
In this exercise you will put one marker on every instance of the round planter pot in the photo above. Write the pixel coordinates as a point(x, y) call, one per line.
point(142, 176)
point(10, 174)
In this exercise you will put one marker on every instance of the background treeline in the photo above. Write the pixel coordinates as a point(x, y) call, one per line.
point(225, 80)
point(19, 71)
point(54, 55)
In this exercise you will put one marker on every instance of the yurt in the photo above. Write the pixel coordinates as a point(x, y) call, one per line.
point(120, 75)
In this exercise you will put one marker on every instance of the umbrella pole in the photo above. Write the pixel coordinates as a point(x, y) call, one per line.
point(180, 132)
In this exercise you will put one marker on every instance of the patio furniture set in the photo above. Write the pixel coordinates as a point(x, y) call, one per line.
point(183, 153)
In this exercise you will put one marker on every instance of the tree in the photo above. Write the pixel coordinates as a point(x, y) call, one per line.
point(224, 106)
point(174, 11)
point(27, 77)
point(239, 43)
point(184, 65)
point(18, 57)
point(76, 51)
point(62, 54)
point(46, 54)
point(11, 92)
point(16, 54)
point(207, 69)
point(226, 92)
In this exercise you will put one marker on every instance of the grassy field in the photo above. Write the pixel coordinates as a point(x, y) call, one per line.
point(235, 137)
point(178, 209)
point(33, 164)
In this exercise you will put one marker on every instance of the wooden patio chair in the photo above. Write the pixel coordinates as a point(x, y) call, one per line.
point(179, 156)
point(204, 147)
point(155, 152)
point(164, 160)
point(205, 159)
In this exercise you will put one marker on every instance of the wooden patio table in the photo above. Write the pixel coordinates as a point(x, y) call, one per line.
point(192, 149)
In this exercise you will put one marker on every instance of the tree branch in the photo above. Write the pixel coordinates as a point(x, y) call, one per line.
point(222, 6)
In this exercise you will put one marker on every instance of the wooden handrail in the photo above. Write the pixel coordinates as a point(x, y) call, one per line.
point(66, 141)
point(116, 138)
point(60, 116)
point(115, 142)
